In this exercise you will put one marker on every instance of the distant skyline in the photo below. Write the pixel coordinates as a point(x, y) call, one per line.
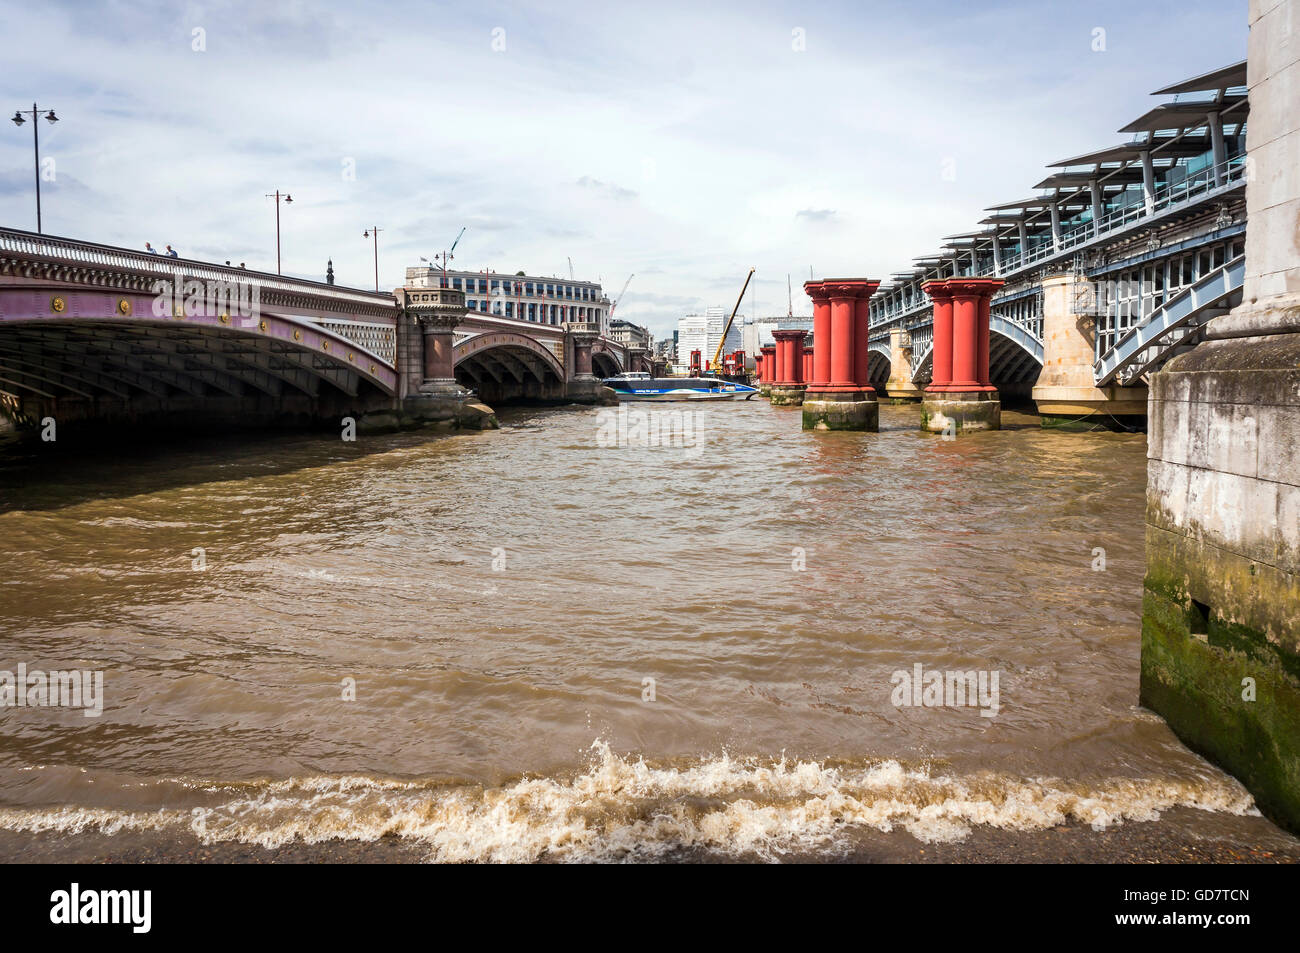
point(685, 144)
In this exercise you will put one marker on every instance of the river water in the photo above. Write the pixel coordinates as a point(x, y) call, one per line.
point(569, 644)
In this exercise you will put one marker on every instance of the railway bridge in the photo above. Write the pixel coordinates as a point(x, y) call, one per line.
point(1113, 267)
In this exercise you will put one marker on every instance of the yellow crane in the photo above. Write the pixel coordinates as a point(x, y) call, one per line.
point(722, 341)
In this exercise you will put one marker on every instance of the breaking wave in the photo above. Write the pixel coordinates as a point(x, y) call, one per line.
point(625, 809)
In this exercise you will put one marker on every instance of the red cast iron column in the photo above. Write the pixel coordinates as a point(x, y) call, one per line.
point(941, 352)
point(985, 300)
point(861, 344)
point(821, 372)
point(843, 294)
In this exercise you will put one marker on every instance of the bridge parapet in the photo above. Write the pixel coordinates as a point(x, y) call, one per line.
point(28, 255)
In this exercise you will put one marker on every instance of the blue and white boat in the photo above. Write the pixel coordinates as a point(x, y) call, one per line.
point(641, 386)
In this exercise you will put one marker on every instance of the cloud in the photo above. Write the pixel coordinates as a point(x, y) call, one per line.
point(816, 214)
point(685, 147)
point(613, 191)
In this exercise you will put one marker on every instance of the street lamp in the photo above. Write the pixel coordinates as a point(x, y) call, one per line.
point(36, 147)
point(366, 234)
point(288, 200)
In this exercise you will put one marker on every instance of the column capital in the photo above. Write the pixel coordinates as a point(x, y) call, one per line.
point(850, 287)
point(816, 290)
point(974, 287)
point(433, 322)
point(435, 309)
point(789, 334)
point(938, 290)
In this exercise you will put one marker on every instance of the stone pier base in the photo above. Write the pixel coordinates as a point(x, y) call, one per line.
point(432, 411)
point(903, 395)
point(1080, 409)
point(786, 396)
point(1221, 607)
point(819, 414)
point(964, 412)
point(590, 392)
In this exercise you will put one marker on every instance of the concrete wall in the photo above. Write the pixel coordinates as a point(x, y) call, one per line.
point(1221, 608)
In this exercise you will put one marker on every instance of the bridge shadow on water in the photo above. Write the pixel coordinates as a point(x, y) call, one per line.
point(47, 476)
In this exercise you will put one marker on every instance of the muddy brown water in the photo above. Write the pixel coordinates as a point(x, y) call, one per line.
point(568, 644)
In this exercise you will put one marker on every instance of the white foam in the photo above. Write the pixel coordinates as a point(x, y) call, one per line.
point(623, 808)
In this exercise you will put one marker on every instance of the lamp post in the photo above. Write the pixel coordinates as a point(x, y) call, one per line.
point(288, 200)
point(36, 148)
point(366, 234)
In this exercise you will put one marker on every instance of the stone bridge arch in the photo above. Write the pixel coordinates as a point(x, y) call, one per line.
point(505, 366)
point(605, 362)
point(122, 356)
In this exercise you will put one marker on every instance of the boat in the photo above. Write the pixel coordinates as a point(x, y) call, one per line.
point(639, 385)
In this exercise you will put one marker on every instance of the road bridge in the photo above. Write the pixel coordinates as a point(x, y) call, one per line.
point(97, 333)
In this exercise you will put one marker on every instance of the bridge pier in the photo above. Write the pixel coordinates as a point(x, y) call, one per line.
point(900, 387)
point(1221, 608)
point(767, 371)
point(583, 386)
point(425, 343)
point(841, 397)
point(960, 396)
point(1066, 396)
point(788, 386)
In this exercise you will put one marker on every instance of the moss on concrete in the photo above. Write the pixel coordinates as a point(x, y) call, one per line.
point(841, 415)
point(1195, 658)
point(1198, 687)
point(786, 396)
point(1095, 422)
point(964, 416)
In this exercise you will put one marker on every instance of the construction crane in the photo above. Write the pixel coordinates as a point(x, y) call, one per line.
point(717, 356)
point(621, 293)
point(445, 255)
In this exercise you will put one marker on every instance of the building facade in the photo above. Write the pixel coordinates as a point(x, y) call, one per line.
point(551, 301)
point(701, 332)
point(628, 334)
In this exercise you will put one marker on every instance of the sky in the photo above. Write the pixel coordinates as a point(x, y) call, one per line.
point(683, 143)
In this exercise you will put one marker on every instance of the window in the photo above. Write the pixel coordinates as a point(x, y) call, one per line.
point(510, 309)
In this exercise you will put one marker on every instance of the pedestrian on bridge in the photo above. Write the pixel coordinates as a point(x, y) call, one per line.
point(150, 249)
point(171, 252)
